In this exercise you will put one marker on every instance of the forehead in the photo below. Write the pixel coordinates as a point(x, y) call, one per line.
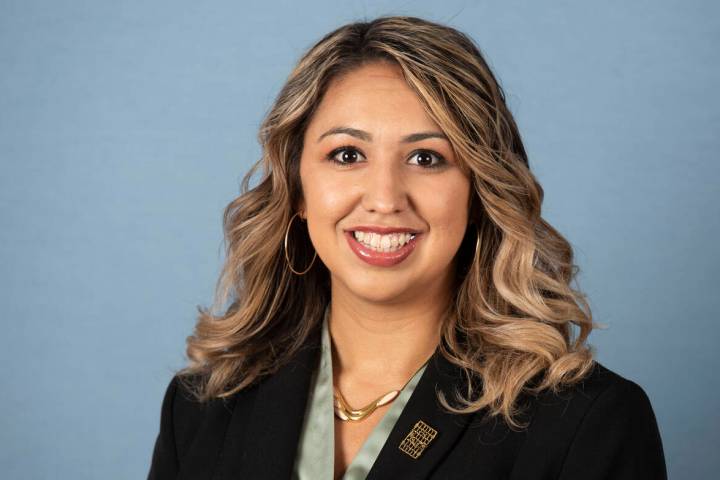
point(370, 94)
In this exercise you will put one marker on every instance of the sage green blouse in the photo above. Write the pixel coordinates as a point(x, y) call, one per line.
point(316, 451)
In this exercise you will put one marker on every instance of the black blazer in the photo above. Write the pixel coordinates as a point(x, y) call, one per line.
point(603, 428)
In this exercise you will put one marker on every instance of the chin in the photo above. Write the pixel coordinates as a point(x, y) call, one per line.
point(372, 288)
point(379, 297)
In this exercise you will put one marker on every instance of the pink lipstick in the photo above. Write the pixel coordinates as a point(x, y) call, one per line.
point(380, 259)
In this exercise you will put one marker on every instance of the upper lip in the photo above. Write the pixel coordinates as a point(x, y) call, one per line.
point(382, 230)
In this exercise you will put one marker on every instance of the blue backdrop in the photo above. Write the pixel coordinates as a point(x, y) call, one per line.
point(126, 126)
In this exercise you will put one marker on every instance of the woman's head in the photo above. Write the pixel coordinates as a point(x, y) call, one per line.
point(394, 73)
point(506, 272)
point(372, 157)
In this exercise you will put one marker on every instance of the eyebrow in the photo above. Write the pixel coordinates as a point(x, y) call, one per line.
point(365, 136)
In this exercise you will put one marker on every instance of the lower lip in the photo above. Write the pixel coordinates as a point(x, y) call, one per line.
point(381, 259)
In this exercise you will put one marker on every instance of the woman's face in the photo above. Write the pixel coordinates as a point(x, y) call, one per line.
point(395, 169)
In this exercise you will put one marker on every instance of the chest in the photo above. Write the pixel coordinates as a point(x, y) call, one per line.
point(350, 437)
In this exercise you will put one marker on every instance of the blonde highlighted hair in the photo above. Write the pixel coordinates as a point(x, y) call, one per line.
point(515, 320)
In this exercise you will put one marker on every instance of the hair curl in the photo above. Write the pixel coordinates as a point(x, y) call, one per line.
point(510, 321)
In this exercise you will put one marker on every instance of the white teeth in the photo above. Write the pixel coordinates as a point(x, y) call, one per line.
point(383, 243)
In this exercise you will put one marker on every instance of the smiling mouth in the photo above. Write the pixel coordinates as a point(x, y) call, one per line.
point(383, 254)
point(383, 242)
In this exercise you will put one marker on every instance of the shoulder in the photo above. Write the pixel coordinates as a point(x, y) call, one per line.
point(602, 396)
point(186, 414)
point(600, 387)
point(603, 422)
point(185, 404)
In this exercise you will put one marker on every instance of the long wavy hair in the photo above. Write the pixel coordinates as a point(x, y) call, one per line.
point(514, 321)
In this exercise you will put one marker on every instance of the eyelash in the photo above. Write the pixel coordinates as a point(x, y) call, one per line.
point(331, 156)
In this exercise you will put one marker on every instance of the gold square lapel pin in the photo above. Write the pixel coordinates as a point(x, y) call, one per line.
point(417, 439)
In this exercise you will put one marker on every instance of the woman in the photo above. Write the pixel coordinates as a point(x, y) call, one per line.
point(399, 307)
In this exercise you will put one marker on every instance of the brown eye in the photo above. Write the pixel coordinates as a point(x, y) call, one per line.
point(344, 156)
point(425, 159)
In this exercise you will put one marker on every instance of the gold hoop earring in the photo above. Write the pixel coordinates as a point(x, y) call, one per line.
point(287, 258)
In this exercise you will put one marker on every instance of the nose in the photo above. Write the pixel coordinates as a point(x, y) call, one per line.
point(385, 188)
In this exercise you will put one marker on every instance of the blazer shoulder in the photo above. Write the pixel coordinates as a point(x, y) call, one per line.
point(600, 384)
point(187, 412)
point(604, 416)
point(186, 405)
point(179, 420)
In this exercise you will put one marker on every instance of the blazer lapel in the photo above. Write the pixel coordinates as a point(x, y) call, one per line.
point(262, 439)
point(431, 439)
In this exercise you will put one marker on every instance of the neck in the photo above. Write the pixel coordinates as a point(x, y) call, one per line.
point(382, 345)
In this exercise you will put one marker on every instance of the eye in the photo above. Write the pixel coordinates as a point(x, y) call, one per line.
point(347, 155)
point(344, 156)
point(425, 159)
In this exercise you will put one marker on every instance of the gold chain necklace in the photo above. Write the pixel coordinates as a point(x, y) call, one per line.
point(344, 412)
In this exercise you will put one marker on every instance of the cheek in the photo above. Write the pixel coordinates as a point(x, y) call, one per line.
point(328, 199)
point(448, 206)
